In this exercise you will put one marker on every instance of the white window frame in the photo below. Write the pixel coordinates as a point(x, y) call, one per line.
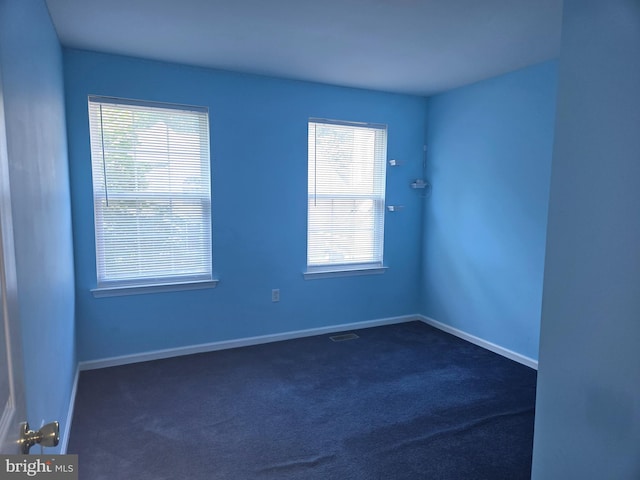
point(333, 268)
point(123, 283)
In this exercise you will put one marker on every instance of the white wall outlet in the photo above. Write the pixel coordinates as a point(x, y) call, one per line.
point(275, 295)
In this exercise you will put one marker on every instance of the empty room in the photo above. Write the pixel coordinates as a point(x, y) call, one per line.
point(364, 239)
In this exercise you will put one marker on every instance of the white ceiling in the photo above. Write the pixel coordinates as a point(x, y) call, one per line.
point(408, 46)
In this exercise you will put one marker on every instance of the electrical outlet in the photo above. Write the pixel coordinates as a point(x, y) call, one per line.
point(275, 295)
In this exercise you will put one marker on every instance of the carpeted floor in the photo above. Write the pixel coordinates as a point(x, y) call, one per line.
point(403, 401)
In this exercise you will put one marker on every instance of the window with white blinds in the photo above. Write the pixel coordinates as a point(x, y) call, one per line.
point(346, 189)
point(151, 192)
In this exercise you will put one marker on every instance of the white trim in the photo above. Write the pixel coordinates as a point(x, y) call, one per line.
point(7, 417)
point(505, 352)
point(241, 342)
point(329, 121)
point(145, 103)
point(337, 271)
point(276, 337)
point(64, 438)
point(141, 289)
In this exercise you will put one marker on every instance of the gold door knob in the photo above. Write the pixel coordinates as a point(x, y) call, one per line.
point(47, 436)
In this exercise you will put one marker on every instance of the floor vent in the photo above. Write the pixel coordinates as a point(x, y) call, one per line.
point(343, 337)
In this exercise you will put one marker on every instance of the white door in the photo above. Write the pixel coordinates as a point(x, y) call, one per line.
point(12, 400)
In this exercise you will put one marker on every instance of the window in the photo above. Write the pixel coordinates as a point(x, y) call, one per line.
point(345, 196)
point(151, 193)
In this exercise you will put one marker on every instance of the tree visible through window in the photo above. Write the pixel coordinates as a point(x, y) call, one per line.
point(346, 188)
point(151, 191)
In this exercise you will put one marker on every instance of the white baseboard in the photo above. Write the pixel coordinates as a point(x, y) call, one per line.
point(241, 342)
point(276, 337)
point(244, 342)
point(64, 438)
point(505, 352)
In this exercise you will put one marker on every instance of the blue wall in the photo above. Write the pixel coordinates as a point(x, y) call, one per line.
point(32, 75)
point(489, 160)
point(259, 183)
point(588, 405)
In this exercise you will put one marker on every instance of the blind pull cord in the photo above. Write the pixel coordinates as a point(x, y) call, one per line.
point(104, 162)
point(315, 167)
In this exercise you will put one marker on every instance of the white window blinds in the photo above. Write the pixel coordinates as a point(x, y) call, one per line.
point(152, 196)
point(346, 191)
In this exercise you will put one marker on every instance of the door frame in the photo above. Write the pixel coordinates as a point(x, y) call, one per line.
point(14, 413)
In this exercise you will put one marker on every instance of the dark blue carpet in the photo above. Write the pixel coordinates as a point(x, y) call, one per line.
point(403, 401)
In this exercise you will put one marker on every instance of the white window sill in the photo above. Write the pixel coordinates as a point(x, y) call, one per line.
point(142, 289)
point(342, 271)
